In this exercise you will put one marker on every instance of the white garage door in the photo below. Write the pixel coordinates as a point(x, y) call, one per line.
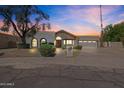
point(88, 43)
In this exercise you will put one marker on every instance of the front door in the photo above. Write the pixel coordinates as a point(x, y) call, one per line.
point(58, 43)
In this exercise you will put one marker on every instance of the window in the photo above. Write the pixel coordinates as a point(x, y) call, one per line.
point(34, 42)
point(94, 41)
point(43, 40)
point(69, 42)
point(58, 38)
point(84, 41)
point(89, 41)
point(80, 41)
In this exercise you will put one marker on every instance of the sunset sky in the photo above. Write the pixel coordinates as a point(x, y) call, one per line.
point(82, 19)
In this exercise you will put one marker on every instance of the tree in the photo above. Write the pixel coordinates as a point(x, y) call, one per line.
point(25, 20)
point(114, 33)
point(107, 33)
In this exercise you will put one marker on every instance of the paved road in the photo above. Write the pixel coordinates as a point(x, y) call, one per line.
point(61, 76)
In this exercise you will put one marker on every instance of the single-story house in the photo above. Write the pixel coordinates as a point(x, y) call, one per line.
point(62, 38)
point(58, 39)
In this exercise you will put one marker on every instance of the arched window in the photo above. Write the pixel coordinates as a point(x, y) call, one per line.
point(34, 43)
point(43, 41)
point(58, 38)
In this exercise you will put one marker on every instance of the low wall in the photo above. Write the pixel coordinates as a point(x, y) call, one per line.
point(113, 44)
point(8, 41)
point(3, 44)
point(7, 44)
point(117, 44)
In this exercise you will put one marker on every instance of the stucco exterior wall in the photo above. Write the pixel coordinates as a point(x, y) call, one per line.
point(28, 40)
point(76, 42)
point(49, 36)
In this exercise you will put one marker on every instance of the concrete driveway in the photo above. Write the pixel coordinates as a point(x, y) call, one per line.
point(90, 67)
point(100, 57)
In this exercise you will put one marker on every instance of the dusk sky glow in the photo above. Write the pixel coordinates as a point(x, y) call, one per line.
point(82, 19)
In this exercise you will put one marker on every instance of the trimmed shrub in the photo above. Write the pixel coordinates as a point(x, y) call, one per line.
point(64, 47)
point(78, 47)
point(23, 46)
point(43, 43)
point(47, 50)
point(51, 43)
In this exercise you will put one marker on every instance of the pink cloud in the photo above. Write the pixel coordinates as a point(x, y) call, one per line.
point(9, 32)
point(90, 14)
point(76, 29)
point(84, 30)
point(1, 23)
point(56, 27)
point(108, 9)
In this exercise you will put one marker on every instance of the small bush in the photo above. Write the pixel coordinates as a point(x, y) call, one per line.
point(47, 50)
point(44, 43)
point(64, 47)
point(51, 43)
point(78, 47)
point(23, 46)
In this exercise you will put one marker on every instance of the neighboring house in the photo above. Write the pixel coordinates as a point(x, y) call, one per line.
point(62, 38)
point(8, 41)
